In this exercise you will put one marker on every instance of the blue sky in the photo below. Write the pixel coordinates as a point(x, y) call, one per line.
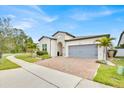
point(37, 21)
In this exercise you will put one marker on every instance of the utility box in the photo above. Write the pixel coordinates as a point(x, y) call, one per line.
point(120, 70)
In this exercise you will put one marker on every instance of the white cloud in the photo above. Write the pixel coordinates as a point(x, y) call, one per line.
point(29, 16)
point(42, 15)
point(33, 11)
point(25, 23)
point(81, 15)
point(11, 16)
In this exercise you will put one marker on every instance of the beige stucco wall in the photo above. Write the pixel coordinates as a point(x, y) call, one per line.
point(45, 41)
point(51, 51)
point(64, 36)
point(61, 37)
point(85, 41)
point(68, 37)
point(53, 48)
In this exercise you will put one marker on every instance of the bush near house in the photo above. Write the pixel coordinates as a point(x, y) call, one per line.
point(40, 53)
point(122, 45)
point(46, 56)
point(28, 57)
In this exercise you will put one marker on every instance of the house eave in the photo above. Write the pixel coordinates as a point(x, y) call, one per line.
point(88, 37)
point(46, 37)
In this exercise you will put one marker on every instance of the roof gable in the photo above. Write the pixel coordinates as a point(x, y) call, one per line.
point(46, 37)
point(63, 32)
point(120, 38)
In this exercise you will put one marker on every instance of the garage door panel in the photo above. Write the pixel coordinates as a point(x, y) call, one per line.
point(83, 51)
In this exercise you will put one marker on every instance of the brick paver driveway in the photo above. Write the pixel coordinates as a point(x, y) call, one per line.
point(85, 68)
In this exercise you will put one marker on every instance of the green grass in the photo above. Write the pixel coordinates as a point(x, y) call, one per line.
point(118, 61)
point(46, 56)
point(27, 57)
point(108, 74)
point(6, 64)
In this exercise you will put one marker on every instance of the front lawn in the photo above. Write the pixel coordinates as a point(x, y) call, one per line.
point(118, 61)
point(108, 74)
point(28, 57)
point(6, 64)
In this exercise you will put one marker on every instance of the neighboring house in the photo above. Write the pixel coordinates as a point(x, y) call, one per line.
point(121, 39)
point(67, 45)
point(120, 49)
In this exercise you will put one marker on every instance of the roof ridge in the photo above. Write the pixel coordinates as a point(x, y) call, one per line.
point(63, 32)
point(46, 37)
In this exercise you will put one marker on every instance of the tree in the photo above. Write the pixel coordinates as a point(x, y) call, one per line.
point(105, 42)
point(12, 39)
point(31, 47)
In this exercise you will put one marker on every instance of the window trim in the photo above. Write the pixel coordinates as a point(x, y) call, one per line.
point(44, 47)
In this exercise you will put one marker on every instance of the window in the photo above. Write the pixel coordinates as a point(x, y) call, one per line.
point(44, 47)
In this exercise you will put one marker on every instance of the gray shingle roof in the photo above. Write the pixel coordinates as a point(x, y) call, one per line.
point(46, 37)
point(87, 37)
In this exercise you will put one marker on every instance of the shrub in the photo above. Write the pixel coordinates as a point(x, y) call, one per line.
point(45, 56)
point(122, 45)
point(40, 53)
point(0, 54)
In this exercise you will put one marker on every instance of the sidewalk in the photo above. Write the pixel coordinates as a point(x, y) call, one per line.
point(19, 78)
point(54, 77)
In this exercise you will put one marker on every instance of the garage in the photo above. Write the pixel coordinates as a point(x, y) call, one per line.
point(83, 51)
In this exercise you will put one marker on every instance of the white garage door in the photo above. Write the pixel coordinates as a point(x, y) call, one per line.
point(83, 51)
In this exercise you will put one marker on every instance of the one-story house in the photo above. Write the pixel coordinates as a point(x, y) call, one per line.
point(120, 48)
point(67, 45)
point(121, 39)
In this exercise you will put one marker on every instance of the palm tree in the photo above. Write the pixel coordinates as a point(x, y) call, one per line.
point(105, 42)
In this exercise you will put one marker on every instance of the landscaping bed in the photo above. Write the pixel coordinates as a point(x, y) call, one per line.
point(28, 57)
point(6, 64)
point(108, 74)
